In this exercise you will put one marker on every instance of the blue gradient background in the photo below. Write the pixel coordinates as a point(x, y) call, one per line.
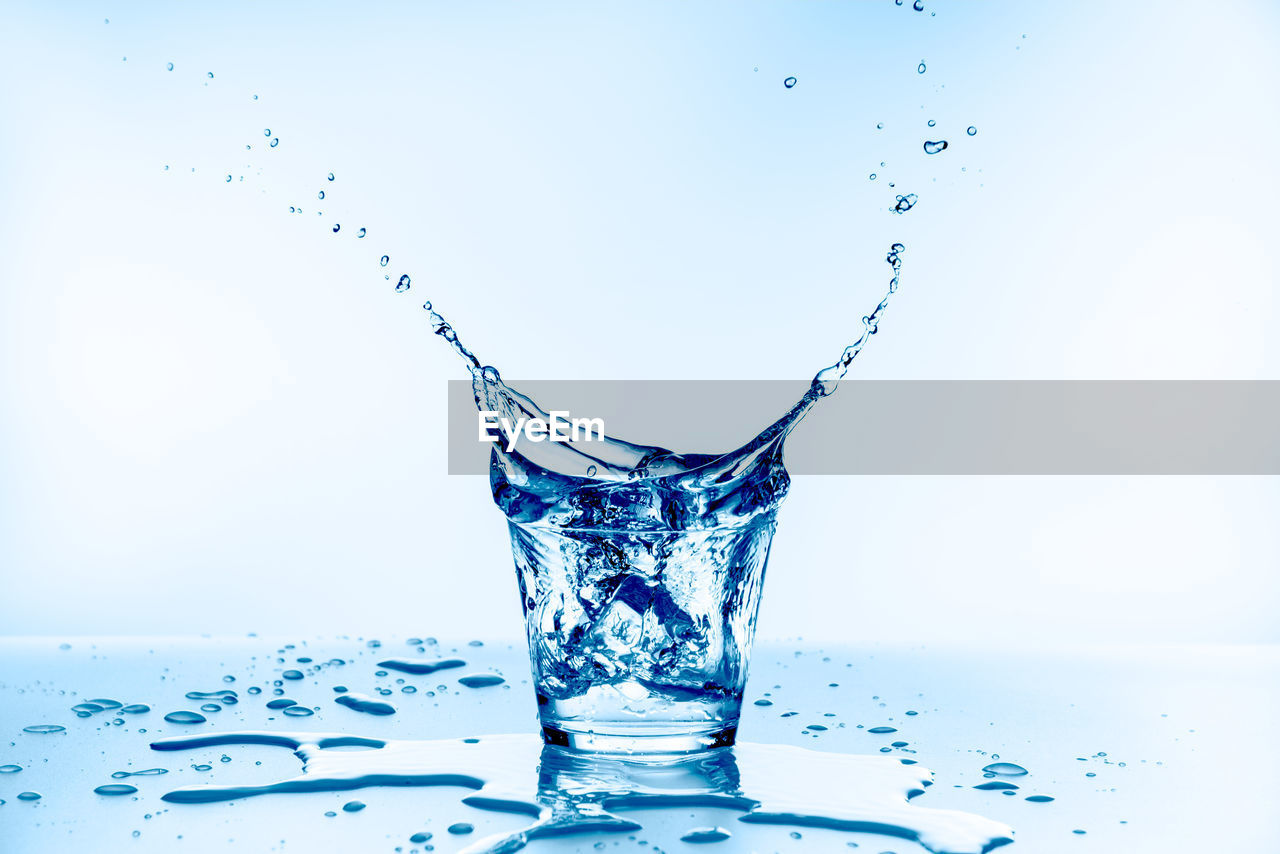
point(216, 416)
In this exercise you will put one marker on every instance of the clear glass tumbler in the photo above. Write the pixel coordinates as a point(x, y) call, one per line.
point(639, 639)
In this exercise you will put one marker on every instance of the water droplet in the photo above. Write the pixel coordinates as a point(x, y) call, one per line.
point(361, 233)
point(228, 179)
point(458, 829)
point(10, 769)
point(211, 707)
point(382, 262)
point(210, 75)
point(169, 66)
point(266, 132)
point(972, 130)
point(921, 68)
point(1005, 769)
point(872, 176)
point(299, 712)
point(881, 730)
point(185, 718)
point(932, 123)
point(935, 147)
point(789, 82)
point(292, 674)
point(918, 5)
point(336, 228)
point(904, 203)
point(403, 284)
point(353, 806)
point(28, 796)
point(879, 125)
point(44, 728)
point(420, 837)
point(115, 789)
point(701, 835)
point(591, 471)
point(1039, 799)
point(320, 195)
point(480, 680)
point(368, 705)
point(330, 176)
point(274, 142)
point(995, 786)
point(281, 703)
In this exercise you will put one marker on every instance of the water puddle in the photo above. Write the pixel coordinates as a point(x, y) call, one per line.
point(564, 792)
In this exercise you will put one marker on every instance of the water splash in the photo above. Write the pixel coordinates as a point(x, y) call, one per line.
point(563, 792)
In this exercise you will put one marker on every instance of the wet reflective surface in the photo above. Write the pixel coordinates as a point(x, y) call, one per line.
point(891, 750)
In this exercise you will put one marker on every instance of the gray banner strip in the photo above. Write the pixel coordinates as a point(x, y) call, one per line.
point(929, 427)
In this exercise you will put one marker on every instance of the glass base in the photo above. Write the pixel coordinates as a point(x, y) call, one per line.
point(638, 739)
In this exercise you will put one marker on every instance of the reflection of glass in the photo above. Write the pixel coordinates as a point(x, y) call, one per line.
point(571, 792)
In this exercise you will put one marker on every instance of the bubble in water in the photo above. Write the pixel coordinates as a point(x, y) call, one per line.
point(403, 284)
point(336, 228)
point(458, 829)
point(115, 789)
point(904, 203)
point(274, 142)
point(361, 233)
point(1005, 769)
point(706, 834)
point(185, 718)
point(972, 130)
point(921, 69)
point(320, 195)
point(382, 262)
point(353, 806)
point(169, 66)
point(935, 147)
point(44, 728)
point(789, 82)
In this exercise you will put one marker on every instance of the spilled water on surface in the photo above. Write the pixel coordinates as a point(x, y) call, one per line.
point(564, 792)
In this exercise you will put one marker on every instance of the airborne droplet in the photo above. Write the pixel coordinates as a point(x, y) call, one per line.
point(403, 284)
point(274, 142)
point(972, 130)
point(360, 233)
point(330, 176)
point(169, 66)
point(935, 147)
point(382, 262)
point(921, 69)
point(789, 82)
point(320, 195)
point(336, 228)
